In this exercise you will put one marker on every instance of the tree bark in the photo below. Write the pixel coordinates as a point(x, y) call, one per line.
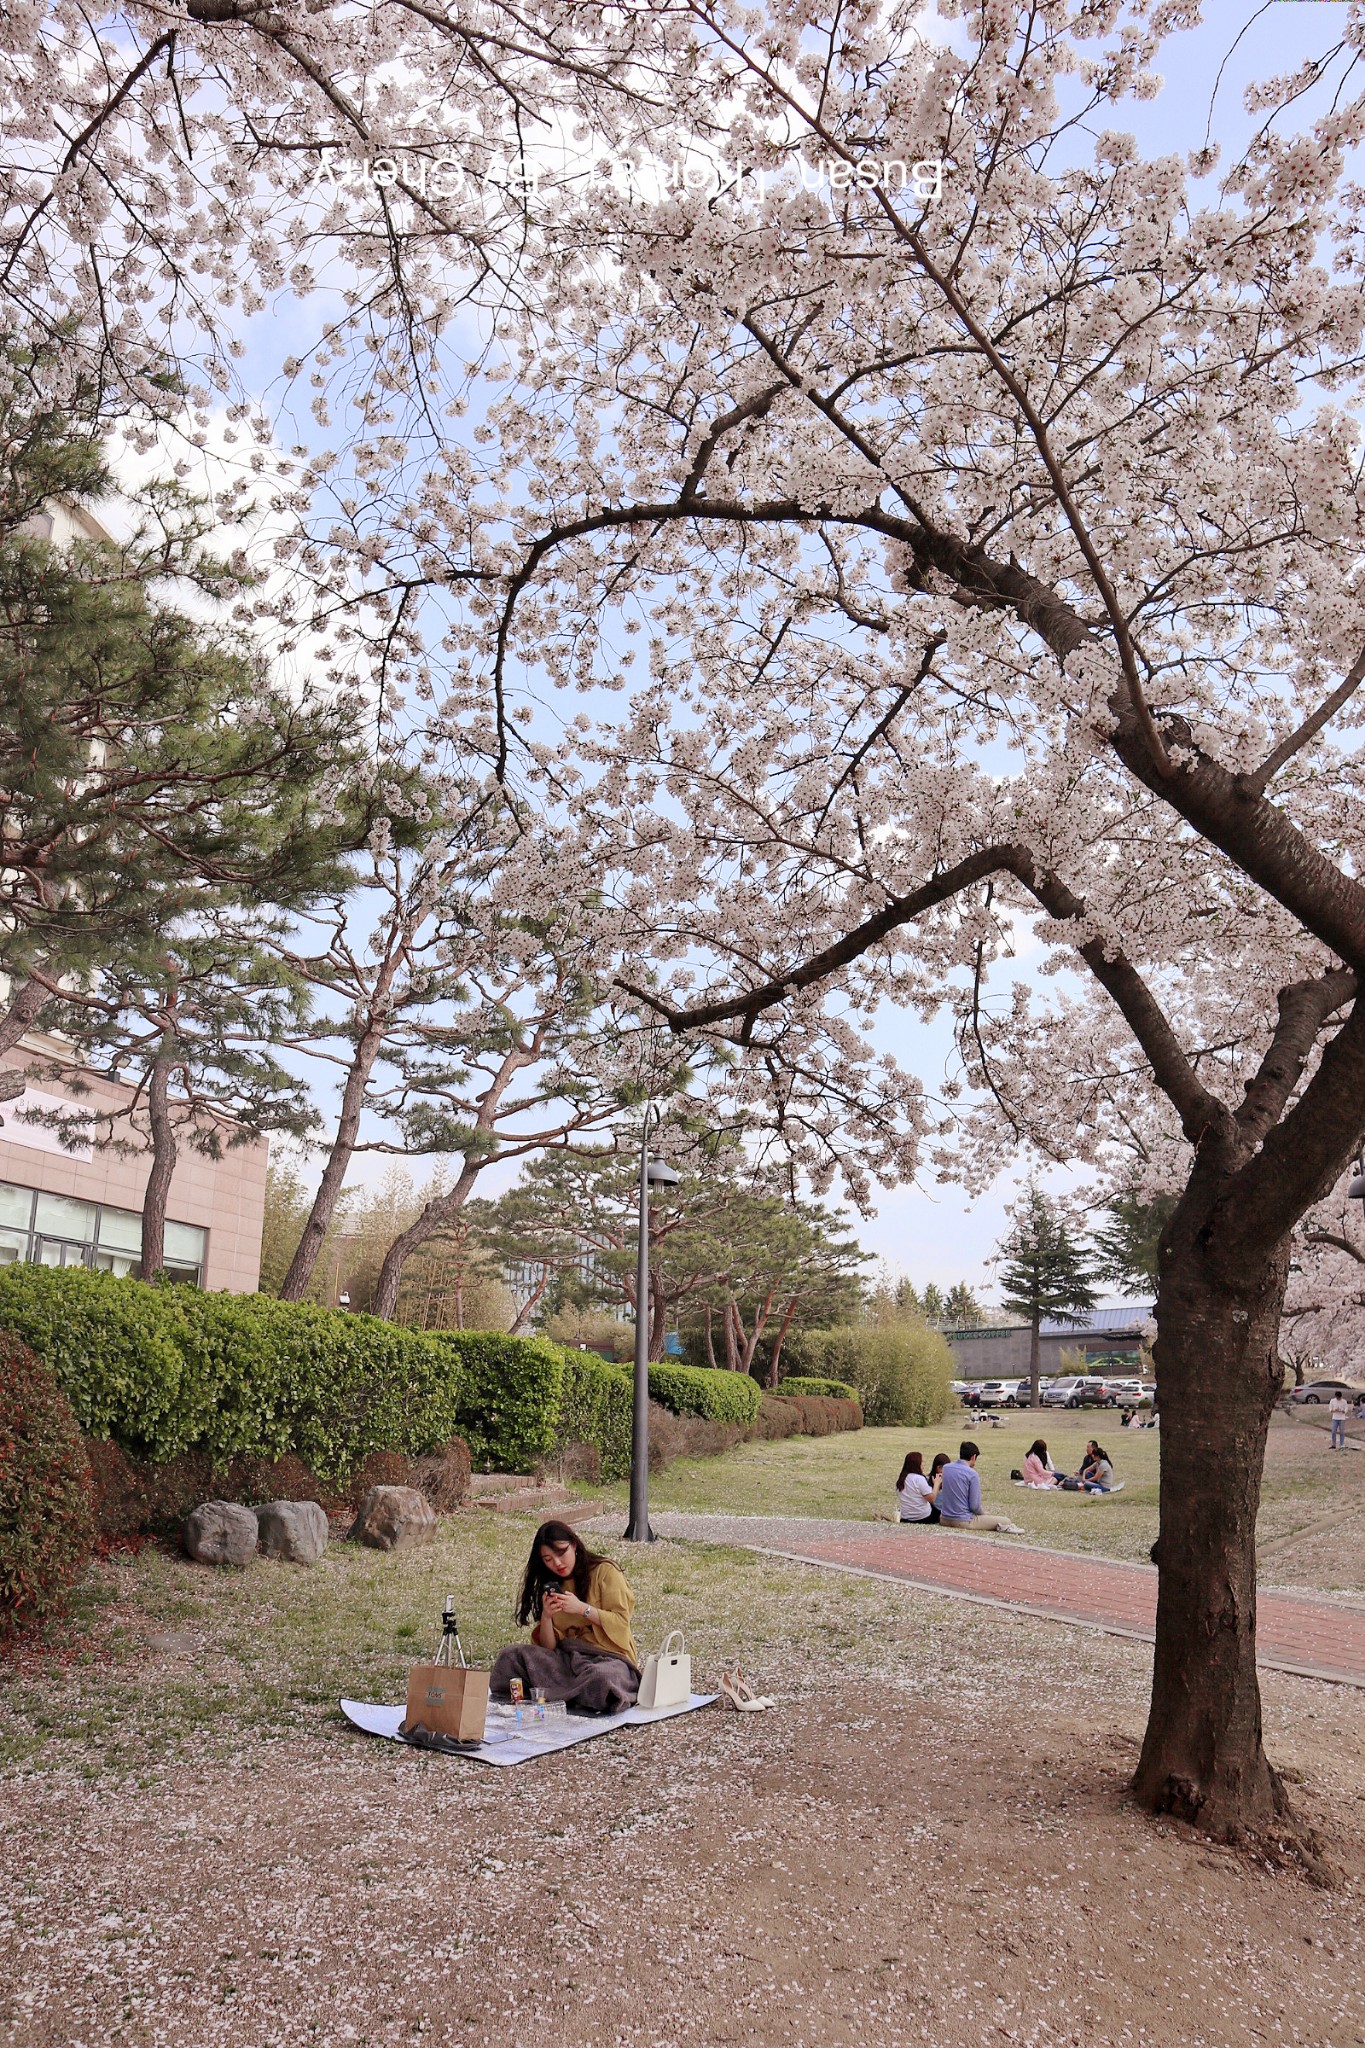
point(440, 1210)
point(164, 1152)
point(295, 1284)
point(1218, 1371)
point(780, 1339)
point(1035, 1362)
point(710, 1347)
point(27, 1003)
point(658, 1316)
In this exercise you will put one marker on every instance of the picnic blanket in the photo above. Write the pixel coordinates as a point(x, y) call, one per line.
point(507, 1741)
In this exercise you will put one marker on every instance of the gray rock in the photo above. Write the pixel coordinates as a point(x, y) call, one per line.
point(221, 1532)
point(296, 1529)
point(394, 1518)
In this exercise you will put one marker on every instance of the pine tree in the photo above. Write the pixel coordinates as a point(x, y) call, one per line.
point(1045, 1271)
point(1127, 1244)
point(145, 758)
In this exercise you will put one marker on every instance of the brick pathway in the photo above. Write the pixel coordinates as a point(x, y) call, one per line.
point(1317, 1638)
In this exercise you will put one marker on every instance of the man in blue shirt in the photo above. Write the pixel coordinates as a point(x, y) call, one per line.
point(959, 1496)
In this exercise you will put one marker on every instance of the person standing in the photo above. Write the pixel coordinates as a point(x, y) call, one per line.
point(1338, 1408)
point(959, 1496)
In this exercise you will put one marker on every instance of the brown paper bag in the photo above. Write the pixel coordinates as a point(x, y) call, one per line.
point(448, 1700)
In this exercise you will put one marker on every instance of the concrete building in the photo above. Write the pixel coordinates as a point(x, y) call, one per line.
point(1003, 1353)
point(84, 1208)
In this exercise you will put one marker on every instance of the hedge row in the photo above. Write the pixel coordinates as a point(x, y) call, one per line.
point(164, 1370)
point(831, 1390)
point(708, 1391)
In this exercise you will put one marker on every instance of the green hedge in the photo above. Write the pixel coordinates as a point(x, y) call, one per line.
point(704, 1390)
point(162, 1370)
point(832, 1390)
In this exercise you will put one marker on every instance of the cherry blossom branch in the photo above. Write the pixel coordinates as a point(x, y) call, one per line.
point(1304, 1007)
point(1256, 782)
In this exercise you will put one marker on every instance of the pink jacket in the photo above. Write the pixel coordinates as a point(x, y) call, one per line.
point(1036, 1472)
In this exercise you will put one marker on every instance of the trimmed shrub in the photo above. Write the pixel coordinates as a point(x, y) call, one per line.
point(595, 1407)
point(901, 1372)
point(802, 1383)
point(508, 1395)
point(47, 1526)
point(714, 1394)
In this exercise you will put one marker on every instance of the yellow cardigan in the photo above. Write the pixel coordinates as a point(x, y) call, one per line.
point(612, 1604)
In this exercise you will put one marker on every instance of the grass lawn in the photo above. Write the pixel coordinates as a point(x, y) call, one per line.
point(1310, 1503)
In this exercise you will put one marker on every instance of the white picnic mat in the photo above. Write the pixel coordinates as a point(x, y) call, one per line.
point(508, 1742)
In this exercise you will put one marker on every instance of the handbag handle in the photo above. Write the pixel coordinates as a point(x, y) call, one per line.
point(682, 1644)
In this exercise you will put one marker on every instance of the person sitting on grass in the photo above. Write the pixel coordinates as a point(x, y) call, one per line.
point(959, 1496)
point(916, 1496)
point(1097, 1474)
point(1036, 1469)
point(581, 1648)
point(938, 1464)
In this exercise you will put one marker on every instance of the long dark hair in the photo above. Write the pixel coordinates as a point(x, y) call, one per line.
point(537, 1579)
point(914, 1462)
point(941, 1459)
point(1100, 1452)
point(1038, 1449)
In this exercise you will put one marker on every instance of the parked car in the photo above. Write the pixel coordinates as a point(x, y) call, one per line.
point(1130, 1393)
point(989, 1393)
point(1079, 1390)
point(1315, 1392)
point(1021, 1399)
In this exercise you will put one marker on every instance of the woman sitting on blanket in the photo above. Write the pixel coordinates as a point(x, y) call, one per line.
point(581, 1648)
point(1037, 1466)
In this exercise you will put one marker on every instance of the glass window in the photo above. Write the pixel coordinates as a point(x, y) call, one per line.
point(16, 1205)
point(51, 1252)
point(63, 1216)
point(114, 1262)
point(184, 1244)
point(121, 1231)
point(186, 1276)
point(12, 1246)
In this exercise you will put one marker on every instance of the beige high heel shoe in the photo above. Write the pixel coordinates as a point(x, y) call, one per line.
point(741, 1694)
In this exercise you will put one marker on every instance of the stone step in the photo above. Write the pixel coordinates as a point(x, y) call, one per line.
point(481, 1483)
point(526, 1500)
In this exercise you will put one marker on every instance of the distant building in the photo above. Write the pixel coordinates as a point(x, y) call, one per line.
point(1003, 1353)
point(84, 1207)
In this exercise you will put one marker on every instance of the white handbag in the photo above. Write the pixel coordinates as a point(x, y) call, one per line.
point(666, 1680)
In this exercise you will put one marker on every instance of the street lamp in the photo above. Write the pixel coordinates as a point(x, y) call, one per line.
point(654, 1173)
point(1356, 1191)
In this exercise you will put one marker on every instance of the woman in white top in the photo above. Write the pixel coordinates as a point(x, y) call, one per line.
point(915, 1497)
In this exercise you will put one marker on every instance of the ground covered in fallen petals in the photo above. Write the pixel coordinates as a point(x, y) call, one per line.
point(928, 1841)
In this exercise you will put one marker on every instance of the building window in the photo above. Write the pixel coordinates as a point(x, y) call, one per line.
point(58, 1230)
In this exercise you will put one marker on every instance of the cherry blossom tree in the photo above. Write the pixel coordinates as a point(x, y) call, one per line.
point(1324, 1309)
point(986, 500)
point(996, 553)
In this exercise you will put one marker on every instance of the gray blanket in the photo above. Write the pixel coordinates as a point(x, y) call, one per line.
point(590, 1680)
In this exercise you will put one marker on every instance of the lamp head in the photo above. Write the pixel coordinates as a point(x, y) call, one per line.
point(660, 1175)
point(1356, 1191)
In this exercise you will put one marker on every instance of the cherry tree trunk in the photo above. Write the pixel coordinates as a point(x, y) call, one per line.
point(1218, 1374)
point(1035, 1362)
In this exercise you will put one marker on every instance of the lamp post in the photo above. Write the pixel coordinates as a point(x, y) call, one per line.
point(653, 1173)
